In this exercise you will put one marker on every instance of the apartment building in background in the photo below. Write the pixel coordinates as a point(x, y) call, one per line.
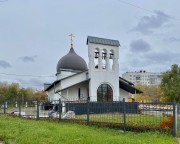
point(142, 77)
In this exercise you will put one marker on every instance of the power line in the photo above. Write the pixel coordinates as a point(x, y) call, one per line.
point(139, 7)
point(31, 84)
point(25, 84)
point(12, 74)
point(131, 4)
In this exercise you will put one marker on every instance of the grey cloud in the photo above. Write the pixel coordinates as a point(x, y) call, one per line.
point(28, 58)
point(137, 62)
point(34, 83)
point(163, 57)
point(171, 39)
point(4, 64)
point(159, 60)
point(140, 46)
point(148, 23)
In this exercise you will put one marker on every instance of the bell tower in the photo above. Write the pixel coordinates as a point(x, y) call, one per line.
point(103, 69)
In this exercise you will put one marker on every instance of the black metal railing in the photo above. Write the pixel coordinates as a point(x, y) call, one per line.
point(128, 116)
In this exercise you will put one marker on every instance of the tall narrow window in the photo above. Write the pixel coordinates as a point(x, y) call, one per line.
point(111, 59)
point(104, 93)
point(104, 57)
point(79, 93)
point(96, 58)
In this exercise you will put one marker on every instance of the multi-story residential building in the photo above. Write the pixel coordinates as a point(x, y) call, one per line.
point(142, 77)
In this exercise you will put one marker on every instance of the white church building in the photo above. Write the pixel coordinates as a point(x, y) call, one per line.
point(99, 81)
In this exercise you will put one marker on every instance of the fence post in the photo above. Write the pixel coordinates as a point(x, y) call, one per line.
point(124, 113)
point(88, 111)
point(4, 107)
point(174, 118)
point(37, 109)
point(19, 107)
point(60, 109)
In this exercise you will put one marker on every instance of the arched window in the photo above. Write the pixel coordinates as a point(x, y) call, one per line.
point(104, 93)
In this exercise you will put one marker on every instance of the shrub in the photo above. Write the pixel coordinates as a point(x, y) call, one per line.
point(167, 123)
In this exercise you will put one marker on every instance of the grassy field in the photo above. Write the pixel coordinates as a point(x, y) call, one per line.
point(23, 131)
point(136, 119)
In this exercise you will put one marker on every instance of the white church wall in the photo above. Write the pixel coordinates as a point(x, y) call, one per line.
point(64, 74)
point(100, 75)
point(72, 93)
point(71, 87)
point(52, 96)
point(73, 80)
point(123, 94)
point(69, 93)
point(102, 78)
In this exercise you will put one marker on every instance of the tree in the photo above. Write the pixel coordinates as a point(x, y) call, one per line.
point(3, 91)
point(40, 95)
point(13, 91)
point(27, 93)
point(150, 93)
point(170, 84)
point(143, 96)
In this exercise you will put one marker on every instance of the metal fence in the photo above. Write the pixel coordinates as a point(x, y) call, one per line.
point(178, 105)
point(128, 116)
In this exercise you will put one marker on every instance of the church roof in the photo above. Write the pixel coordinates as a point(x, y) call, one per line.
point(71, 61)
point(49, 86)
point(123, 84)
point(128, 86)
point(103, 41)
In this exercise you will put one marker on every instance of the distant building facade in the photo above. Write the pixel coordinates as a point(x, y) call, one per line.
point(142, 77)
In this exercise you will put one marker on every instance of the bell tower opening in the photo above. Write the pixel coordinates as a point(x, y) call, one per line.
point(96, 58)
point(111, 59)
point(104, 59)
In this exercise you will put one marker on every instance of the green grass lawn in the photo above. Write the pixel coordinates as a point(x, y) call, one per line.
point(23, 131)
point(135, 119)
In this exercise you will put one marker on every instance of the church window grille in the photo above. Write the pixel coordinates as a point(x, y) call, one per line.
point(104, 93)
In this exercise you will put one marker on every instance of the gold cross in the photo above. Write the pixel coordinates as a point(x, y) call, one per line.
point(71, 36)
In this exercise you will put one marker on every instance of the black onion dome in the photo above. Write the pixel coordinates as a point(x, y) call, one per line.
point(72, 61)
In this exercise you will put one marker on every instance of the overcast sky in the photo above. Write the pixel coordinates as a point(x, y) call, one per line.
point(34, 35)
